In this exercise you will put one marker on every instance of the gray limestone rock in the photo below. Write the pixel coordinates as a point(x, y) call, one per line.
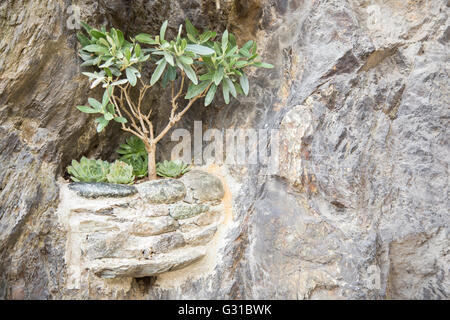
point(185, 211)
point(101, 189)
point(153, 226)
point(116, 268)
point(162, 191)
point(203, 186)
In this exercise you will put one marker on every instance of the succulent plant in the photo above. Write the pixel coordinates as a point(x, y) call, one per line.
point(171, 169)
point(120, 172)
point(133, 153)
point(132, 147)
point(139, 164)
point(88, 170)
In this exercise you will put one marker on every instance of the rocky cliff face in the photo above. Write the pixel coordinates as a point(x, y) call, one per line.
point(361, 88)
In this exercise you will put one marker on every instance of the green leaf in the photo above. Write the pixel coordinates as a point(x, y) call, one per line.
point(108, 73)
point(263, 65)
point(108, 116)
point(97, 34)
point(158, 71)
point(232, 51)
point(94, 103)
point(245, 53)
point(137, 50)
point(116, 72)
point(238, 88)
point(127, 54)
point(180, 29)
point(190, 73)
point(195, 90)
point(169, 58)
point(199, 49)
point(86, 109)
point(237, 72)
point(210, 95)
point(207, 35)
point(186, 60)
point(253, 57)
point(107, 63)
point(112, 37)
point(206, 76)
point(232, 39)
point(226, 92)
point(96, 49)
point(144, 58)
point(120, 120)
point(162, 32)
point(88, 63)
point(183, 44)
point(103, 42)
point(91, 75)
point(190, 28)
point(119, 82)
point(243, 80)
point(84, 41)
point(97, 82)
point(231, 87)
point(106, 96)
point(192, 38)
point(218, 76)
point(102, 123)
point(131, 76)
point(120, 37)
point(145, 38)
point(241, 64)
point(172, 73)
point(111, 109)
point(225, 41)
point(85, 55)
point(217, 49)
point(248, 45)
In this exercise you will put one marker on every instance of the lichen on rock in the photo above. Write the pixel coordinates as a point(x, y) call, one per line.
point(185, 211)
point(203, 186)
point(102, 189)
point(162, 191)
point(112, 235)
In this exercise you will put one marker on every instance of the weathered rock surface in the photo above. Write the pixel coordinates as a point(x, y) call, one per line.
point(360, 90)
point(162, 191)
point(203, 186)
point(185, 211)
point(116, 268)
point(100, 189)
point(122, 237)
point(153, 227)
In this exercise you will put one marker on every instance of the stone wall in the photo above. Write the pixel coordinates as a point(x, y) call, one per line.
point(117, 234)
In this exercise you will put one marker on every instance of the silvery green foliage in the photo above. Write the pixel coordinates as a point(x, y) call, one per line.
point(121, 173)
point(171, 169)
point(207, 63)
point(88, 170)
point(216, 62)
point(114, 60)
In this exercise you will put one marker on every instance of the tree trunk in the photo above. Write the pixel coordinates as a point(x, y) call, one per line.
point(152, 162)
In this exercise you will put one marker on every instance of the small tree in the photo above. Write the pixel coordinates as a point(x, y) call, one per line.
point(195, 66)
